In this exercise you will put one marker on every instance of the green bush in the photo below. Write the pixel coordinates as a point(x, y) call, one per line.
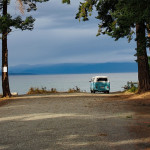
point(133, 89)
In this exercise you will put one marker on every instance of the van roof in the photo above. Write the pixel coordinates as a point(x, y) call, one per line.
point(100, 77)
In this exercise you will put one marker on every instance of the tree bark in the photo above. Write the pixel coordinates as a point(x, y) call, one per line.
point(5, 80)
point(142, 59)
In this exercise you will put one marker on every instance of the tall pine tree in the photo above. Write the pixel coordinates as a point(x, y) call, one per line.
point(6, 23)
point(123, 18)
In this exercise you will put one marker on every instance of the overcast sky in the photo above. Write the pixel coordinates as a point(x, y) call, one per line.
point(59, 38)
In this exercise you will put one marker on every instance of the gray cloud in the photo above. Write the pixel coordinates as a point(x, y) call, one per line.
point(59, 38)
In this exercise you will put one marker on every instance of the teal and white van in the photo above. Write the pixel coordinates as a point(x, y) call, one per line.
point(100, 84)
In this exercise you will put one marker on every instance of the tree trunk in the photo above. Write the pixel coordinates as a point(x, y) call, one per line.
point(143, 67)
point(5, 81)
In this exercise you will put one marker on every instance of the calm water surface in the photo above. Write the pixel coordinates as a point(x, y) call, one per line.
point(22, 83)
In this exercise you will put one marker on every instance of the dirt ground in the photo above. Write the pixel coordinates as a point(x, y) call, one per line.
point(80, 121)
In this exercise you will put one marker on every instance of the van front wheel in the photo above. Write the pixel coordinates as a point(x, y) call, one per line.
point(92, 91)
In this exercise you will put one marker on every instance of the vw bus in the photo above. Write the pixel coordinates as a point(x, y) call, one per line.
point(100, 84)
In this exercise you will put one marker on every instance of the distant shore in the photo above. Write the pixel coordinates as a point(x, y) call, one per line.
point(74, 68)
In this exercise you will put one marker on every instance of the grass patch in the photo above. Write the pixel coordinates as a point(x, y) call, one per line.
point(133, 89)
point(41, 91)
point(74, 90)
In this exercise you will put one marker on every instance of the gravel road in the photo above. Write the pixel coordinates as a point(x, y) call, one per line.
point(74, 122)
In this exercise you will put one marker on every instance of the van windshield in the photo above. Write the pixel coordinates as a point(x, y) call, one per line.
point(102, 79)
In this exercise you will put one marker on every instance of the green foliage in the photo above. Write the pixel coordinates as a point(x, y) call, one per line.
point(117, 17)
point(32, 4)
point(133, 89)
point(66, 1)
point(123, 18)
point(85, 10)
point(7, 21)
point(149, 60)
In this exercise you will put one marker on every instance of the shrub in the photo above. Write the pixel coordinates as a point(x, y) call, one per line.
point(133, 89)
point(74, 90)
point(53, 90)
point(43, 90)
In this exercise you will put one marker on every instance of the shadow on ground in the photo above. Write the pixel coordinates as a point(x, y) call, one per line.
point(85, 123)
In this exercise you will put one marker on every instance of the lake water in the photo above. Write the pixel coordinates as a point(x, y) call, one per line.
point(22, 83)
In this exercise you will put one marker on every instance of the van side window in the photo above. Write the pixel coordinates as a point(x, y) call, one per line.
point(102, 79)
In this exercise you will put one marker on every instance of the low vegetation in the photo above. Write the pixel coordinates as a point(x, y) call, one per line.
point(131, 87)
point(74, 90)
point(42, 90)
